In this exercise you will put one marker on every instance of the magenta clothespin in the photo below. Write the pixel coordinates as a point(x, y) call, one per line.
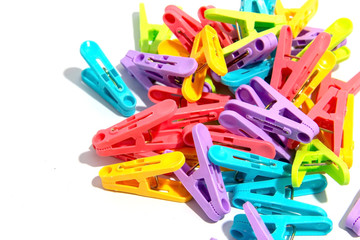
point(352, 220)
point(205, 183)
point(149, 68)
point(257, 224)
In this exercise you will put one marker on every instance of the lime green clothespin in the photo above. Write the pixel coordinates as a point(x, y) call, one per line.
point(250, 25)
point(315, 157)
point(151, 34)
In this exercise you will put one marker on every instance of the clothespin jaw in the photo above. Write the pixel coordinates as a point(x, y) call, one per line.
point(353, 217)
point(151, 34)
point(297, 19)
point(141, 177)
point(258, 6)
point(207, 52)
point(205, 184)
point(140, 133)
point(315, 157)
point(346, 151)
point(172, 47)
point(273, 196)
point(288, 76)
point(103, 78)
point(306, 36)
point(252, 25)
point(184, 27)
point(282, 226)
point(149, 68)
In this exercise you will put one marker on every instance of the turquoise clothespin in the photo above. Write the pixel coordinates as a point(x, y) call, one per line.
point(248, 167)
point(103, 78)
point(272, 196)
point(258, 6)
point(281, 226)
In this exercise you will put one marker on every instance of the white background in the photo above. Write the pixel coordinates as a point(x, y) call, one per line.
point(50, 187)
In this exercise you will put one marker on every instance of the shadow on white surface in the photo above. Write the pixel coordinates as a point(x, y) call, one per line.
point(226, 229)
point(92, 159)
point(96, 182)
point(343, 219)
point(321, 197)
point(197, 209)
point(136, 30)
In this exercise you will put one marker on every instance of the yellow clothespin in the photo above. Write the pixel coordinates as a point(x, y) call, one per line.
point(151, 34)
point(342, 54)
point(141, 177)
point(207, 52)
point(172, 47)
point(251, 25)
point(320, 71)
point(346, 152)
point(297, 18)
point(307, 105)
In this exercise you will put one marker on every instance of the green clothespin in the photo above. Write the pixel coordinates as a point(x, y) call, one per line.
point(151, 34)
point(315, 157)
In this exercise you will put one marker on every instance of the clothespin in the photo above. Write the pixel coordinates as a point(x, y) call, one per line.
point(103, 78)
point(221, 136)
point(184, 27)
point(141, 177)
point(353, 217)
point(346, 151)
point(297, 18)
point(226, 32)
point(207, 52)
point(151, 34)
point(258, 6)
point(282, 226)
point(306, 36)
point(275, 196)
point(250, 168)
point(150, 68)
point(205, 184)
point(140, 133)
point(133, 156)
point(315, 157)
point(172, 47)
point(251, 25)
point(288, 75)
point(243, 75)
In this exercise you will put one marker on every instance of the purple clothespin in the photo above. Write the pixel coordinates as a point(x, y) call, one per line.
point(255, 51)
point(257, 224)
point(205, 184)
point(149, 68)
point(352, 220)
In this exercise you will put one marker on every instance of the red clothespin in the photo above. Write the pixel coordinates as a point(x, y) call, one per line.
point(290, 73)
point(140, 132)
point(133, 156)
point(182, 25)
point(226, 32)
point(221, 136)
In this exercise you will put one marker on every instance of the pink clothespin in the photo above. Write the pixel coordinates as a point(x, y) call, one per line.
point(289, 72)
point(133, 156)
point(205, 183)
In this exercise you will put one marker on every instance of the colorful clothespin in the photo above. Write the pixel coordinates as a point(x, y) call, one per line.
point(151, 34)
point(207, 52)
point(140, 133)
point(306, 36)
point(243, 75)
point(149, 68)
point(282, 226)
point(352, 220)
point(275, 196)
point(184, 27)
point(288, 75)
point(226, 32)
point(347, 146)
point(315, 157)
point(251, 25)
point(141, 177)
point(298, 18)
point(103, 78)
point(172, 47)
point(205, 184)
point(258, 6)
point(248, 167)
point(133, 156)
point(221, 136)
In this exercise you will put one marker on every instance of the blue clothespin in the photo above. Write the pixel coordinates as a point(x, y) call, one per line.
point(258, 6)
point(248, 167)
point(272, 196)
point(281, 226)
point(103, 78)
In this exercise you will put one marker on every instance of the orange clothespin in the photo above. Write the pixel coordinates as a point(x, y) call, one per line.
point(142, 177)
point(208, 54)
point(290, 73)
point(172, 47)
point(347, 147)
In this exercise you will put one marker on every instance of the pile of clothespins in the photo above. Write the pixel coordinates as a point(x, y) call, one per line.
point(284, 123)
